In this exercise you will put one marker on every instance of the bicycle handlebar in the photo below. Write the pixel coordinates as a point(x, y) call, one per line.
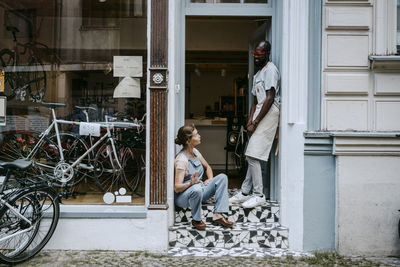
point(83, 108)
point(53, 105)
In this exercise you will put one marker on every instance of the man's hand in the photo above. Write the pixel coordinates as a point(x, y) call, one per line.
point(194, 179)
point(250, 129)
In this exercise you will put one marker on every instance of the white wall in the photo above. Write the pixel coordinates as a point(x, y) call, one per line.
point(112, 234)
point(368, 204)
point(354, 97)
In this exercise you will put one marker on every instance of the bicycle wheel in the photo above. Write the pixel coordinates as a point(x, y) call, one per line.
point(21, 240)
point(134, 164)
point(11, 78)
point(110, 177)
point(73, 148)
point(36, 80)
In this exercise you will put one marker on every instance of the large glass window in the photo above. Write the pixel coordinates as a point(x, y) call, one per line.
point(91, 57)
point(231, 1)
point(398, 26)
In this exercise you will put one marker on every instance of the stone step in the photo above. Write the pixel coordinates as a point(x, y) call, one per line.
point(249, 235)
point(268, 213)
point(236, 252)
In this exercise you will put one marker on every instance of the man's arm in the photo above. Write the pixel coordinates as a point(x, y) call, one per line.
point(252, 110)
point(266, 105)
point(252, 125)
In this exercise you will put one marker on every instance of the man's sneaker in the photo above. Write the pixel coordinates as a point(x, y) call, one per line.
point(238, 198)
point(254, 201)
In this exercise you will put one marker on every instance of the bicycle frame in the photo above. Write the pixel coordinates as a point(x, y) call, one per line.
point(55, 124)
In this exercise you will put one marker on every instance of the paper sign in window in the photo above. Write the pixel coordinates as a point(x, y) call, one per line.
point(128, 87)
point(87, 128)
point(128, 66)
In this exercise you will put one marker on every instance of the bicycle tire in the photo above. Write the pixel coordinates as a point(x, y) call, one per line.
point(36, 78)
point(134, 167)
point(10, 78)
point(111, 178)
point(41, 201)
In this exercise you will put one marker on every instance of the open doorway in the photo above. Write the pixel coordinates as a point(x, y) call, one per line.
point(218, 72)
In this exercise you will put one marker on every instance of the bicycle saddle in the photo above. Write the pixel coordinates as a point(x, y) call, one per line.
point(12, 29)
point(53, 105)
point(16, 164)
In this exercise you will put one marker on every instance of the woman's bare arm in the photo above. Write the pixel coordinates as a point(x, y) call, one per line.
point(207, 168)
point(180, 186)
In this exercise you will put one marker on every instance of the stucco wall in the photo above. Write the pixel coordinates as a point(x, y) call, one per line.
point(112, 234)
point(368, 190)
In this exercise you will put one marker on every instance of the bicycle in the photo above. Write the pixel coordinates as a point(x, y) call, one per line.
point(240, 149)
point(66, 160)
point(28, 215)
point(130, 146)
point(22, 79)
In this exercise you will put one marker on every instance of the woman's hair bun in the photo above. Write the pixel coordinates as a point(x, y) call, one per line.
point(177, 141)
point(184, 134)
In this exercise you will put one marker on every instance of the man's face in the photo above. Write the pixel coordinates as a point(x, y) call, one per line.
point(260, 55)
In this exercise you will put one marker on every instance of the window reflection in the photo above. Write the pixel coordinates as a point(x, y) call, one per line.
point(66, 54)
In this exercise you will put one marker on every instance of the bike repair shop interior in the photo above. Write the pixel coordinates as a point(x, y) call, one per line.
point(217, 68)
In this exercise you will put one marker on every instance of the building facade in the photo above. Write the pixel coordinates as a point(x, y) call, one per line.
point(336, 175)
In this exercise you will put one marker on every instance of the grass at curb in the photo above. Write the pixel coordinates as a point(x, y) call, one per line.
point(144, 258)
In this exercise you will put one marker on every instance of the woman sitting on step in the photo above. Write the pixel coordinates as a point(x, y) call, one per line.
point(190, 189)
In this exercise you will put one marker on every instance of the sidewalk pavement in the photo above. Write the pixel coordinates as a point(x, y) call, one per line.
point(141, 258)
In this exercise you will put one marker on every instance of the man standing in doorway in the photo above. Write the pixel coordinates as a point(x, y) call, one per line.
point(261, 126)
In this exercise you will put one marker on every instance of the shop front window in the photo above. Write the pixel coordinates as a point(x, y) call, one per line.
point(230, 1)
point(88, 58)
point(398, 27)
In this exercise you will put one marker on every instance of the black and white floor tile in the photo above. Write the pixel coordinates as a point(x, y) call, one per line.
point(253, 235)
point(236, 252)
point(268, 213)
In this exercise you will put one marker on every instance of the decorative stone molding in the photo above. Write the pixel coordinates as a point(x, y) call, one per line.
point(348, 18)
point(366, 144)
point(385, 62)
point(348, 3)
point(317, 143)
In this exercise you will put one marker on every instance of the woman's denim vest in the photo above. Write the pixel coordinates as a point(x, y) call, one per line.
point(194, 165)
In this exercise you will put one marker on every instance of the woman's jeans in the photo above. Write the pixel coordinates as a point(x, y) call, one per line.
point(198, 193)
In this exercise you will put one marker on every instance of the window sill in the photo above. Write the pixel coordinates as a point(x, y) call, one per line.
point(99, 28)
point(102, 211)
point(385, 62)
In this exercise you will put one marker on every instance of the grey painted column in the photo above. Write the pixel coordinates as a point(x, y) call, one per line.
point(319, 193)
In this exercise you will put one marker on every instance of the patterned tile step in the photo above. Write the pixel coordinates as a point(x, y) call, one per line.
point(232, 192)
point(269, 213)
point(250, 235)
point(236, 252)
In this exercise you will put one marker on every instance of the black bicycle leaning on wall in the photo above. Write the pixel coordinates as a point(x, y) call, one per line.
point(24, 71)
point(29, 213)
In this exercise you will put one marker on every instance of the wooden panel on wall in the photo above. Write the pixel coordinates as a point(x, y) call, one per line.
point(387, 115)
point(347, 50)
point(349, 18)
point(387, 84)
point(346, 83)
point(158, 104)
point(347, 115)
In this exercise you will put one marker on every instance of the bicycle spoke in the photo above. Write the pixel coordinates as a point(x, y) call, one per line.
point(41, 208)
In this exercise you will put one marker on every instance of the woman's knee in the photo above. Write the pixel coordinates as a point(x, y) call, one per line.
point(222, 178)
point(196, 192)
